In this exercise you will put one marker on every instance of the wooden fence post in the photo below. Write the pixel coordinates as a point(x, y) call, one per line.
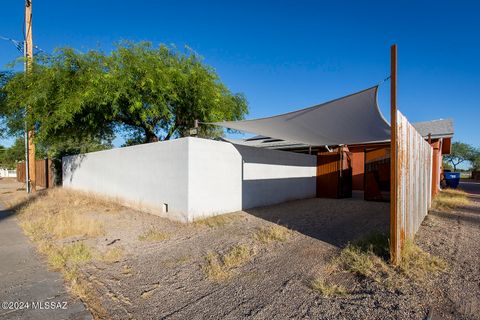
point(394, 239)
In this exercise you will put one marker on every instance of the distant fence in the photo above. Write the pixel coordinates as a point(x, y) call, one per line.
point(413, 190)
point(7, 173)
point(43, 170)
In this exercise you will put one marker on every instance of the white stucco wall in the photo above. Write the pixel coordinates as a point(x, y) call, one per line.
point(272, 176)
point(145, 176)
point(194, 177)
point(214, 178)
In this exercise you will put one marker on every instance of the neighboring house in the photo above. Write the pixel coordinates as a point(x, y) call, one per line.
point(439, 134)
point(366, 158)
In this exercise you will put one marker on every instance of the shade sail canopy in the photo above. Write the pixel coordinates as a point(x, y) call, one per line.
point(352, 119)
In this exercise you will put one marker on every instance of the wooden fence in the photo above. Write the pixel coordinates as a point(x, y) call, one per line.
point(44, 173)
point(413, 187)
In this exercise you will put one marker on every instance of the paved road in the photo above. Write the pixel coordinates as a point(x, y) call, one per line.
point(24, 277)
point(472, 187)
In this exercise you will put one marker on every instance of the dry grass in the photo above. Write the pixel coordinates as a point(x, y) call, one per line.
point(112, 255)
point(449, 199)
point(214, 269)
point(52, 215)
point(368, 258)
point(67, 259)
point(153, 235)
point(273, 234)
point(82, 289)
point(363, 263)
point(77, 287)
point(219, 268)
point(216, 221)
point(66, 256)
point(237, 256)
point(61, 213)
point(60, 225)
point(419, 265)
point(327, 289)
point(57, 198)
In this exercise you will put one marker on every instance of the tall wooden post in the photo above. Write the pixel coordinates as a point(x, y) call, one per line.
point(28, 66)
point(394, 245)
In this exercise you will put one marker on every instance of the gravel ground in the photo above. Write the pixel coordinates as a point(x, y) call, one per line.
point(166, 280)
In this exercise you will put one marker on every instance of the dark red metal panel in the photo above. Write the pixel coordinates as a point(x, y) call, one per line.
point(377, 174)
point(334, 174)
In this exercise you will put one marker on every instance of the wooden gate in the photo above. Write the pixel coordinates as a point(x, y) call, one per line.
point(44, 173)
point(334, 174)
point(377, 174)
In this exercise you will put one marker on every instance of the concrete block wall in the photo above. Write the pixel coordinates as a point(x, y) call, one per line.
point(190, 178)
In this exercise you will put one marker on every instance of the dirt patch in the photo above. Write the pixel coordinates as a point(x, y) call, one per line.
point(143, 266)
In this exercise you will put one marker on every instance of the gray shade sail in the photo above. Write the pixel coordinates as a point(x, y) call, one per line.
point(352, 119)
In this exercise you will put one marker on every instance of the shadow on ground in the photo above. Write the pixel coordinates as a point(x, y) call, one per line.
point(335, 221)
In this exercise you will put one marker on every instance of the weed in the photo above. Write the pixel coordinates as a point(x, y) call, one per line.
point(369, 258)
point(61, 225)
point(112, 255)
point(376, 243)
point(153, 235)
point(214, 269)
point(363, 263)
point(60, 213)
point(216, 221)
point(237, 256)
point(327, 289)
point(449, 199)
point(219, 268)
point(418, 264)
point(68, 255)
point(273, 234)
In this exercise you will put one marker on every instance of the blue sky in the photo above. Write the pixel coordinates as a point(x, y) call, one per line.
point(286, 55)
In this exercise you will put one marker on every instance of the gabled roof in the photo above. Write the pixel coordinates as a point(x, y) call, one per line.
point(441, 128)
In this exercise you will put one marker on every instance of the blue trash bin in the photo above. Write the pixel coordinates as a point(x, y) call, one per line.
point(452, 179)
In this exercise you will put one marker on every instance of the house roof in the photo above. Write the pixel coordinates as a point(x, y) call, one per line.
point(438, 128)
point(441, 128)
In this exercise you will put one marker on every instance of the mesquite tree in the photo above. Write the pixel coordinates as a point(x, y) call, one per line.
point(142, 92)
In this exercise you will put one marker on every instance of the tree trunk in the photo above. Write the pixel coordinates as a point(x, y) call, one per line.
point(170, 132)
point(150, 136)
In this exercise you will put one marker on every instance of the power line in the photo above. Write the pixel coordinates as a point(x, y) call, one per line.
point(19, 45)
point(16, 43)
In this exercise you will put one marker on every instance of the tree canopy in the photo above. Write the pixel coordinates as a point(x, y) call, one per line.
point(16, 152)
point(476, 160)
point(461, 152)
point(145, 93)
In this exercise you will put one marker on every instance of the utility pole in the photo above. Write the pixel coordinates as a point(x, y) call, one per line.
point(28, 53)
